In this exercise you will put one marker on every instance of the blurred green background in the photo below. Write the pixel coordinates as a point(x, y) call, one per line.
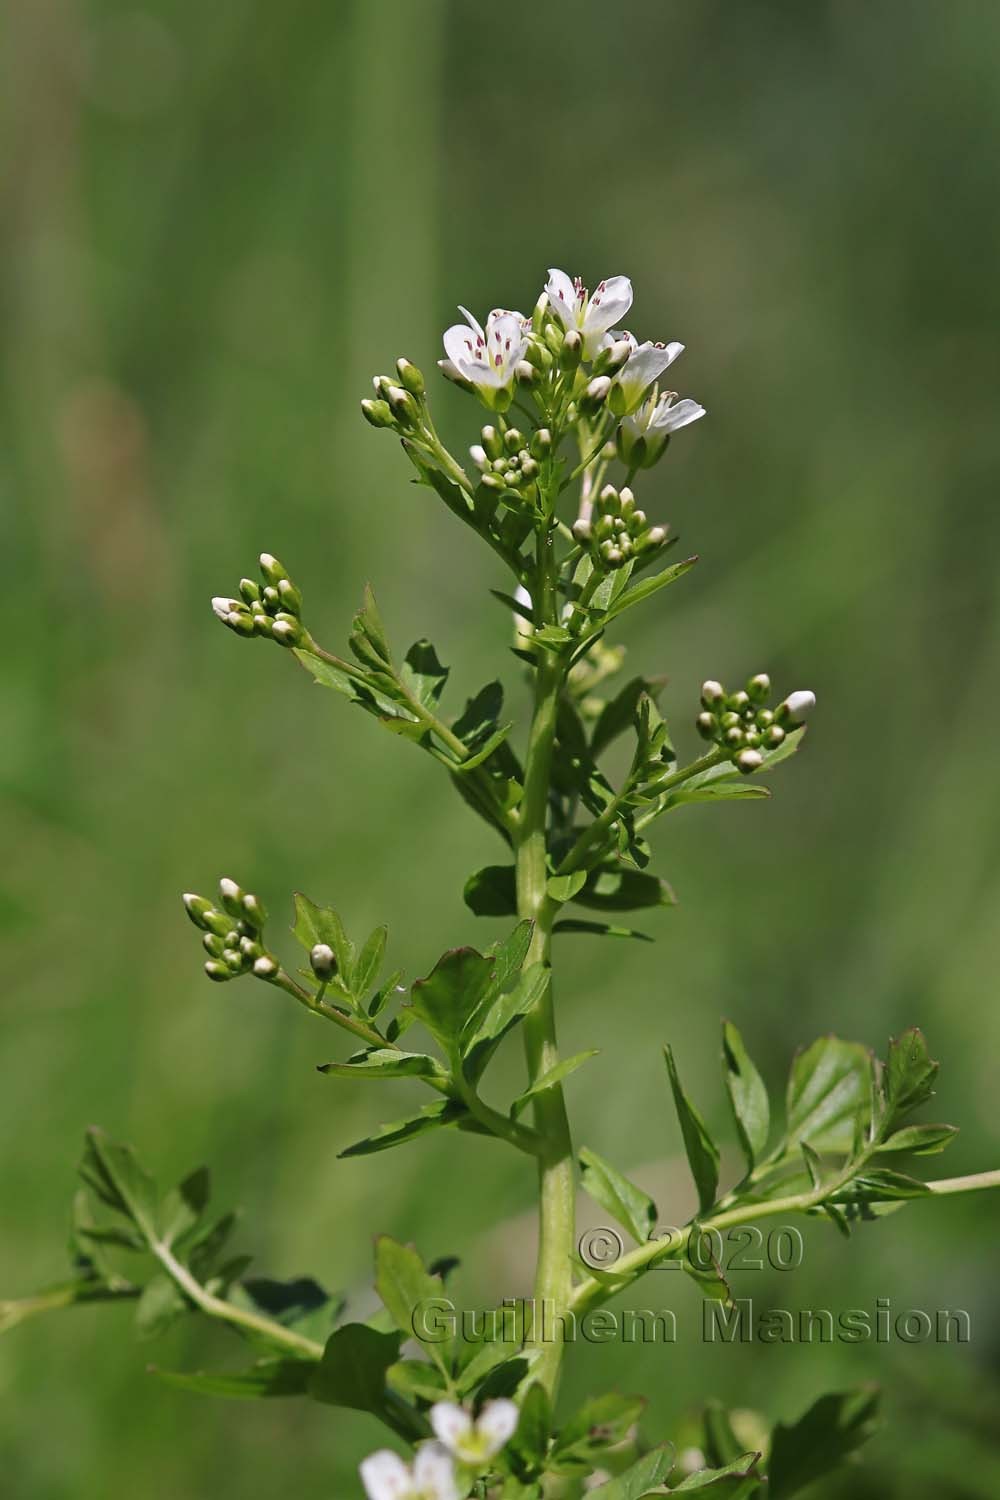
point(218, 222)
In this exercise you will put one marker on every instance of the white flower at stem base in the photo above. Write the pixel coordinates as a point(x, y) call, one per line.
point(593, 315)
point(432, 1476)
point(474, 1441)
point(645, 364)
point(643, 434)
point(486, 358)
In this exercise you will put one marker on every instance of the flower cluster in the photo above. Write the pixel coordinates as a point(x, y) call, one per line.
point(271, 608)
point(620, 531)
point(509, 460)
point(462, 1443)
point(233, 932)
point(743, 726)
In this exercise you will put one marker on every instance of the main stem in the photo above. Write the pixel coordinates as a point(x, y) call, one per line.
point(553, 1287)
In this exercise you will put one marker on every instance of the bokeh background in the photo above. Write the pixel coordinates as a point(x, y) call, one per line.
point(217, 223)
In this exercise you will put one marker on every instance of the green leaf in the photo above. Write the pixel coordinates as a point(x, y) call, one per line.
point(492, 892)
point(268, 1377)
point(352, 1372)
point(548, 1079)
point(432, 1117)
point(370, 694)
point(184, 1205)
point(702, 1152)
point(747, 1095)
point(451, 993)
point(909, 1074)
point(417, 1380)
point(509, 954)
point(828, 1088)
point(833, 1427)
point(385, 1062)
point(649, 586)
point(622, 1199)
point(562, 888)
point(112, 1172)
point(618, 889)
point(321, 924)
point(477, 758)
point(922, 1140)
point(722, 1479)
point(299, 1303)
point(599, 1423)
point(369, 963)
point(703, 1267)
point(159, 1306)
point(531, 1437)
point(650, 1472)
point(503, 1013)
point(600, 929)
point(618, 715)
point(881, 1185)
point(406, 1288)
point(423, 675)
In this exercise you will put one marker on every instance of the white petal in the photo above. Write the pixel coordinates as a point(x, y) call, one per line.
point(450, 1422)
point(385, 1476)
point(562, 297)
point(622, 336)
point(643, 367)
point(497, 1423)
point(434, 1473)
point(610, 301)
point(473, 323)
point(505, 342)
point(463, 346)
point(669, 418)
point(522, 596)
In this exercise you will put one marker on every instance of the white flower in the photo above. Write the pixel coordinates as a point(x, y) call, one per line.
point(474, 1442)
point(645, 364)
point(432, 1477)
point(643, 434)
point(487, 359)
point(797, 707)
point(593, 315)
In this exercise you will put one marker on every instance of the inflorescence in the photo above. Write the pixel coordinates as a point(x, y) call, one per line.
point(743, 726)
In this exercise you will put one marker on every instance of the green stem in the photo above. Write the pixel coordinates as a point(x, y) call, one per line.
point(556, 1214)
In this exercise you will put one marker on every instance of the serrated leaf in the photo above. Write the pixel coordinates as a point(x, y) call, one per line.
point(747, 1095)
point(829, 1085)
point(548, 1079)
point(644, 1476)
point(269, 1377)
point(619, 889)
point(385, 1062)
point(809, 1449)
point(451, 994)
point(432, 1116)
point(626, 1203)
point(702, 1152)
point(909, 1075)
point(492, 892)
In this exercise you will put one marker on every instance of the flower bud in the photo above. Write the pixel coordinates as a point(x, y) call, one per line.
point(479, 457)
point(513, 440)
point(254, 912)
point(706, 725)
point(582, 530)
point(734, 736)
point(213, 944)
point(200, 911)
point(271, 568)
point(217, 971)
point(266, 967)
point(249, 590)
point(758, 687)
point(525, 373)
point(631, 448)
point(628, 501)
point(377, 413)
point(403, 406)
point(572, 350)
point(286, 631)
point(612, 357)
point(595, 395)
point(289, 597)
point(712, 693)
point(538, 312)
point(738, 701)
point(250, 949)
point(749, 760)
point(323, 961)
point(763, 718)
point(541, 443)
point(774, 736)
point(797, 707)
point(231, 897)
point(410, 377)
point(233, 959)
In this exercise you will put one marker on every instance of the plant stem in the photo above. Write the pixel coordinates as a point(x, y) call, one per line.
point(556, 1214)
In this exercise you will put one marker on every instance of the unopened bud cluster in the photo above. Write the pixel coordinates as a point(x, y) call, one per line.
point(618, 530)
point(743, 726)
point(271, 608)
point(232, 933)
point(399, 400)
point(508, 460)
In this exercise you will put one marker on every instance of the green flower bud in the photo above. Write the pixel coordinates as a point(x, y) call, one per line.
point(582, 530)
point(752, 738)
point(774, 737)
point(572, 350)
point(729, 720)
point(739, 700)
point(266, 967)
point(200, 911)
point(378, 413)
point(734, 737)
point(213, 944)
point(323, 961)
point(513, 440)
point(289, 597)
point(612, 358)
point(712, 693)
point(410, 377)
point(231, 897)
point(253, 907)
point(403, 406)
point(796, 708)
point(525, 373)
point(234, 614)
point(541, 443)
point(609, 501)
point(233, 959)
point(250, 949)
point(628, 502)
point(271, 599)
point(249, 590)
point(758, 687)
point(529, 469)
point(271, 569)
point(706, 725)
point(492, 442)
point(286, 630)
point(631, 448)
point(764, 717)
point(595, 395)
point(217, 971)
point(749, 760)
